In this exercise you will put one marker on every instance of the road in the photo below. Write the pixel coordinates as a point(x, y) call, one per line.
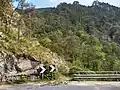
point(62, 87)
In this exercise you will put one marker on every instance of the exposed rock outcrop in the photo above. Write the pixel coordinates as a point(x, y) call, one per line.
point(12, 64)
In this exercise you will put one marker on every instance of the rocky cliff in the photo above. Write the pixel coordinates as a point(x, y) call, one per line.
point(21, 55)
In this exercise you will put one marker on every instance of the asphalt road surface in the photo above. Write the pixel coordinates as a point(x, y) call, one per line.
point(61, 87)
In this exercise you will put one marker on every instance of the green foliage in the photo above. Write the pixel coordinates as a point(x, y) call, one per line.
point(86, 37)
point(81, 35)
point(45, 41)
point(63, 70)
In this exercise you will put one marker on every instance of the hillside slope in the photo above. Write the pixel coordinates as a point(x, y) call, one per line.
point(86, 36)
point(74, 37)
point(23, 54)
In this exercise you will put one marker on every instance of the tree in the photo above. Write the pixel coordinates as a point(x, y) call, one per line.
point(5, 11)
point(30, 11)
point(24, 8)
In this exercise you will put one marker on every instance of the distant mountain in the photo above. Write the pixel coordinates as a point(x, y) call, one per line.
point(88, 37)
point(101, 19)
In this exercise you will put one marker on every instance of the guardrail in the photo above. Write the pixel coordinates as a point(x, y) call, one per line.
point(98, 72)
point(97, 75)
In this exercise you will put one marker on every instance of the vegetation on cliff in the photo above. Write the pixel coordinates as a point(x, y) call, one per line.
point(14, 40)
point(83, 37)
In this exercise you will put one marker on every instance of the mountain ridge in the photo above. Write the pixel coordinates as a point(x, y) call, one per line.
point(83, 28)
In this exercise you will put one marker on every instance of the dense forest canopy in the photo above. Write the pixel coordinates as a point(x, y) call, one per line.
point(87, 37)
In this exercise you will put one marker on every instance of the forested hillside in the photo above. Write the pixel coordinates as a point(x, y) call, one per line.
point(74, 37)
point(88, 37)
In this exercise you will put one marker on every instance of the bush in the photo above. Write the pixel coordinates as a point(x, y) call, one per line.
point(64, 70)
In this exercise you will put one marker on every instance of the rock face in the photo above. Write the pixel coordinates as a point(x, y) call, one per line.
point(15, 65)
point(11, 64)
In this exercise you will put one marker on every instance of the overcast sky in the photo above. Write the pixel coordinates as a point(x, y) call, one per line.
point(52, 3)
